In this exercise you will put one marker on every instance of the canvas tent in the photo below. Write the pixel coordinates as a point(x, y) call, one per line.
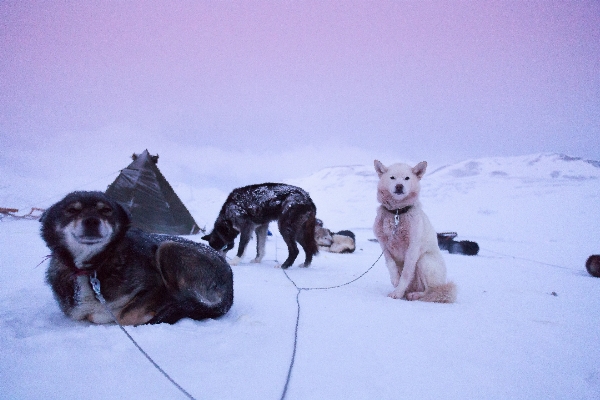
point(153, 204)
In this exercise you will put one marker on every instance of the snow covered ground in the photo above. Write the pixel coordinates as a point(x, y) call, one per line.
point(525, 325)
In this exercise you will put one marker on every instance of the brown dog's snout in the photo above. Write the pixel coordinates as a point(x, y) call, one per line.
point(91, 226)
point(399, 189)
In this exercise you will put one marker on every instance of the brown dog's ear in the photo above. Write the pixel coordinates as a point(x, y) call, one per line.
point(380, 168)
point(419, 169)
point(123, 213)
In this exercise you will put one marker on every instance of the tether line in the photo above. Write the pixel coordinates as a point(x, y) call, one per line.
point(96, 287)
point(299, 290)
point(525, 259)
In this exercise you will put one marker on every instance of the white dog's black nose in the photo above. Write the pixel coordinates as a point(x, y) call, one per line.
point(399, 189)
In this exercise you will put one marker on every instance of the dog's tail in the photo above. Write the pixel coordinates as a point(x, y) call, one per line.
point(441, 294)
point(310, 246)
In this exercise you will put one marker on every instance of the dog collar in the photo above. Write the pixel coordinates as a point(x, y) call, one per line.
point(75, 272)
point(82, 272)
point(399, 211)
point(86, 271)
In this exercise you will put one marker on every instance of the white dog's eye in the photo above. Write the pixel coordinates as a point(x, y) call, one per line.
point(392, 177)
point(407, 178)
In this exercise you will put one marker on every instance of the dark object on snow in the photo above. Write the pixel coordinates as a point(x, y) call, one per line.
point(150, 199)
point(144, 277)
point(446, 242)
point(593, 265)
point(251, 208)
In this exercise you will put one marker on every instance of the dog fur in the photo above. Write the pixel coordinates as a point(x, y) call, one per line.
point(144, 278)
point(593, 265)
point(415, 263)
point(252, 208)
point(323, 236)
point(344, 242)
point(338, 242)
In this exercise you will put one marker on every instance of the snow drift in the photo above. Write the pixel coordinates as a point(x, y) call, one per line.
point(525, 324)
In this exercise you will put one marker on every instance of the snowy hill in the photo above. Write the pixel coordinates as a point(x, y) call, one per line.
point(524, 325)
point(340, 192)
point(541, 199)
point(531, 167)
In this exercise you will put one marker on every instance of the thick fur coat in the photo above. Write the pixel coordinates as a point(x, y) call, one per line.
point(407, 238)
point(144, 278)
point(251, 208)
point(339, 242)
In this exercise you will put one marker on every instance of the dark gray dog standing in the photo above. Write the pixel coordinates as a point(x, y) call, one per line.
point(251, 208)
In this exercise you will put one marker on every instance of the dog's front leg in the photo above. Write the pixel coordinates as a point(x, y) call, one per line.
point(245, 236)
point(408, 273)
point(261, 241)
point(393, 268)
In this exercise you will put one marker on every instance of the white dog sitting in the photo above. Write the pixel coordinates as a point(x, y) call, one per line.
point(409, 242)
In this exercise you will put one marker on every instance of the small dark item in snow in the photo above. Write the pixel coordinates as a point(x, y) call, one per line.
point(554, 294)
point(593, 265)
point(446, 242)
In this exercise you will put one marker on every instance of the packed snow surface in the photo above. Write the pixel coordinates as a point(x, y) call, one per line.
point(525, 324)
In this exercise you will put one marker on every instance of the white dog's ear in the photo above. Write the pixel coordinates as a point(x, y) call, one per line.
point(419, 169)
point(380, 168)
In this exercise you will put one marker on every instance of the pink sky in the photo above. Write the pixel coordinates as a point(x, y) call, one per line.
point(444, 80)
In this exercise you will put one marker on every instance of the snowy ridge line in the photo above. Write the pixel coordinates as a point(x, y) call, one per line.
point(79, 187)
point(300, 289)
point(525, 259)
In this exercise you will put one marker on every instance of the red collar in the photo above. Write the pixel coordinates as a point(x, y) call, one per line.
point(81, 272)
point(75, 272)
